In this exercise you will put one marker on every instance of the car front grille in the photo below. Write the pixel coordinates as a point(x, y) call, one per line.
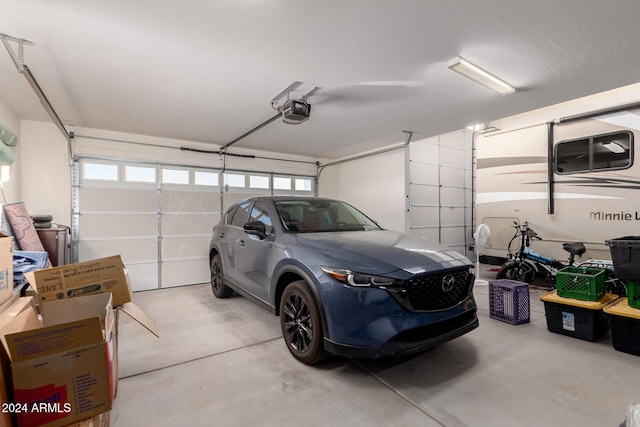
point(435, 291)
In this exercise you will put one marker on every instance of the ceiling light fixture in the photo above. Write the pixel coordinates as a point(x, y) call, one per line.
point(478, 75)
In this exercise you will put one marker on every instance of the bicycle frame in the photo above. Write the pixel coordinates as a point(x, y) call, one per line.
point(526, 263)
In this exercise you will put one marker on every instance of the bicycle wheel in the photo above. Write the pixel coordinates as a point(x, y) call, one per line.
point(613, 285)
point(518, 271)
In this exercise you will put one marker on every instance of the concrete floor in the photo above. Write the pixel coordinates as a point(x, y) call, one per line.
point(224, 363)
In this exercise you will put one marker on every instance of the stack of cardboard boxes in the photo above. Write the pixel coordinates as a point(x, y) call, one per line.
point(59, 352)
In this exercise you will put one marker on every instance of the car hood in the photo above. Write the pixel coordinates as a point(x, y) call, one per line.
point(382, 251)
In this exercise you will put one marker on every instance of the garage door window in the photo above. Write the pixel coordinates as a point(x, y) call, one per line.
point(139, 174)
point(595, 153)
point(281, 183)
point(259, 181)
point(303, 184)
point(234, 180)
point(175, 176)
point(100, 171)
point(209, 179)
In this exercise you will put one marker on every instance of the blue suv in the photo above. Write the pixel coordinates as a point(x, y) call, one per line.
point(339, 283)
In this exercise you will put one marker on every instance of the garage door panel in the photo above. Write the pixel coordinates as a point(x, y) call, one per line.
point(441, 211)
point(424, 150)
point(430, 234)
point(451, 157)
point(452, 177)
point(453, 140)
point(185, 247)
point(452, 216)
point(143, 277)
point(131, 250)
point(424, 195)
point(118, 199)
point(160, 223)
point(181, 224)
point(118, 225)
point(422, 173)
point(424, 216)
point(452, 197)
point(453, 235)
point(185, 272)
point(191, 201)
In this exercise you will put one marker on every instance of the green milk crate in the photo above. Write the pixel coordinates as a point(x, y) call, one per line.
point(583, 283)
point(633, 294)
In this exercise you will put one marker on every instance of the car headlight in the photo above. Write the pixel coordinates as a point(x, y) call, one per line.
point(357, 279)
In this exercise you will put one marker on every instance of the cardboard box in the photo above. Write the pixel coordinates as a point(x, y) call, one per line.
point(17, 306)
point(6, 267)
point(83, 278)
point(23, 321)
point(63, 372)
point(76, 301)
point(7, 303)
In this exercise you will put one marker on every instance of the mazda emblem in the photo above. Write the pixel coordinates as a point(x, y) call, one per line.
point(448, 282)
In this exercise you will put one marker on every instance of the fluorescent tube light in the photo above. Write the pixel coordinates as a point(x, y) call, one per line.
point(478, 75)
point(614, 147)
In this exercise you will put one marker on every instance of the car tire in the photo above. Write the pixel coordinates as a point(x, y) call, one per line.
point(220, 290)
point(301, 323)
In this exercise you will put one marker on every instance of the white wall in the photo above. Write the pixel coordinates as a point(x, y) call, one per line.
point(375, 185)
point(45, 173)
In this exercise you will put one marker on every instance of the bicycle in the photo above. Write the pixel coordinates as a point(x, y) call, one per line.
point(525, 264)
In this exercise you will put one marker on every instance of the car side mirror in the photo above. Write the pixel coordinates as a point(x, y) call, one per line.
point(256, 228)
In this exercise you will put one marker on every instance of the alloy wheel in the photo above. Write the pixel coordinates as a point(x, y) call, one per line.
point(298, 323)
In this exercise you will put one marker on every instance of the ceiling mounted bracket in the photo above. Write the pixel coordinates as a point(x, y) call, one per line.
point(286, 91)
point(18, 58)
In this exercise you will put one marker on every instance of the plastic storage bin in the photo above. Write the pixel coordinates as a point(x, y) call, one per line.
point(585, 320)
point(509, 301)
point(583, 283)
point(625, 254)
point(624, 322)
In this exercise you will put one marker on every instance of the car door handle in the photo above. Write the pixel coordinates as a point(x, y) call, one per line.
point(240, 242)
point(221, 235)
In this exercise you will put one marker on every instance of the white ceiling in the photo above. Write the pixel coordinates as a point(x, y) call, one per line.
point(206, 70)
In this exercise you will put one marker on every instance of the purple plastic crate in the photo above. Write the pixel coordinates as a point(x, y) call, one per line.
point(509, 301)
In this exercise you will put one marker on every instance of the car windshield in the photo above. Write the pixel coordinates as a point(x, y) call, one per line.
point(312, 216)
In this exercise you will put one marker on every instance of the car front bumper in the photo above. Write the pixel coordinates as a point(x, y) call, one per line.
point(411, 341)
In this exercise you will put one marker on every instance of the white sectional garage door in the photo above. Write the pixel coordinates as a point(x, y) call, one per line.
point(159, 217)
point(440, 189)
